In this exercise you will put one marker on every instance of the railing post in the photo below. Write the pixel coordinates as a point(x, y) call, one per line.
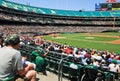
point(60, 69)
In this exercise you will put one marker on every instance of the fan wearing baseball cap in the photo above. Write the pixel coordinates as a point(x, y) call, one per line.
point(11, 61)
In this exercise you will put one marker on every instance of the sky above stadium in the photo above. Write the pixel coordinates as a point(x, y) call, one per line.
point(86, 5)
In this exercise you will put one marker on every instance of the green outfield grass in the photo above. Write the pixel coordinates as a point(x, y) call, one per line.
point(100, 41)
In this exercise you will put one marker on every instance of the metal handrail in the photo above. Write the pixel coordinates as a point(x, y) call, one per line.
point(60, 68)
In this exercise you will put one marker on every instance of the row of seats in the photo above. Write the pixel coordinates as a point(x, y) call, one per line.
point(39, 10)
point(54, 59)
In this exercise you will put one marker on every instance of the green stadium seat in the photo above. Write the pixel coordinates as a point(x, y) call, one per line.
point(106, 13)
point(56, 64)
point(79, 14)
point(96, 14)
point(62, 12)
point(115, 13)
point(73, 73)
point(87, 14)
point(51, 64)
point(75, 14)
point(70, 13)
point(80, 71)
point(9, 79)
point(48, 11)
point(65, 70)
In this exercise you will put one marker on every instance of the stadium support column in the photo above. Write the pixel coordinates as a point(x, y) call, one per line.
point(1, 2)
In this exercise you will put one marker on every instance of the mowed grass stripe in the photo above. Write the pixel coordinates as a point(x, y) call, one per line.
point(95, 45)
point(85, 37)
point(79, 40)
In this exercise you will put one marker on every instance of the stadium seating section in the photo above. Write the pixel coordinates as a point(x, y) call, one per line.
point(47, 11)
point(36, 20)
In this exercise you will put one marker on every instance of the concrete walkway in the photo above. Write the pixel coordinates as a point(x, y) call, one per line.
point(50, 77)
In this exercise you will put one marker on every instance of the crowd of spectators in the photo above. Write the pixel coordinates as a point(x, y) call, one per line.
point(41, 30)
point(55, 25)
point(104, 59)
point(40, 19)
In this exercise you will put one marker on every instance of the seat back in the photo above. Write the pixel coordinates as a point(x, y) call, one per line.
point(9, 79)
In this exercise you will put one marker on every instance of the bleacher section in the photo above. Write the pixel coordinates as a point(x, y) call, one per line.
point(36, 20)
point(48, 11)
point(62, 67)
point(30, 21)
point(53, 59)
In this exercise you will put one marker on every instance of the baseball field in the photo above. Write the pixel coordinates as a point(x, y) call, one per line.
point(99, 41)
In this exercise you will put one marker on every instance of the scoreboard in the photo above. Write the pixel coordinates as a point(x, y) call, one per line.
point(107, 6)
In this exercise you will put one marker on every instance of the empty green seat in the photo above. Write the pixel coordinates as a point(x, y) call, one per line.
point(9, 79)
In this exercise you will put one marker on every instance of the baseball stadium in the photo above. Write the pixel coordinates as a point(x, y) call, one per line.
point(71, 45)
